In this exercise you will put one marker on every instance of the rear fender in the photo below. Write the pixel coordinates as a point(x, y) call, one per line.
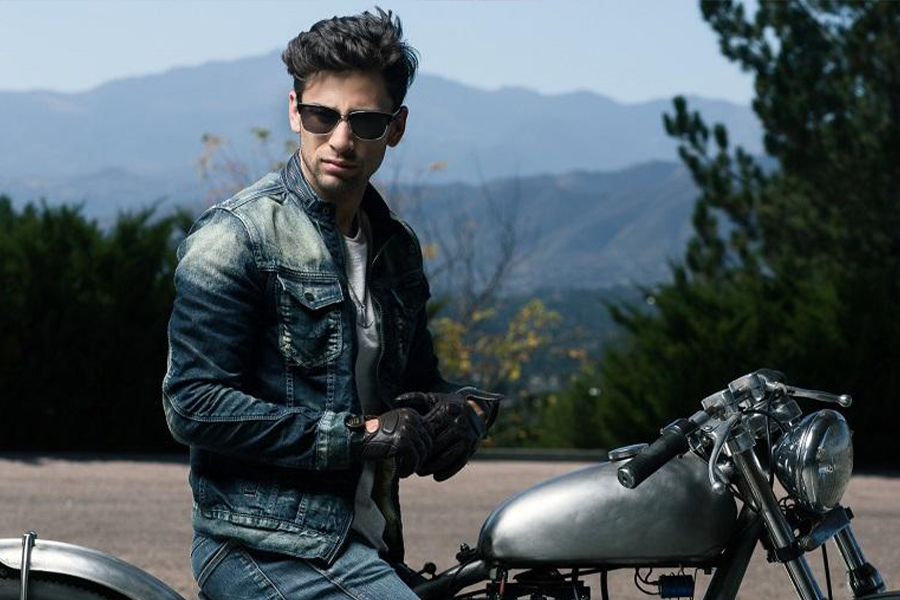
point(91, 565)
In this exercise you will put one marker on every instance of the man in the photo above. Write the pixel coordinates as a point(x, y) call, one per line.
point(301, 371)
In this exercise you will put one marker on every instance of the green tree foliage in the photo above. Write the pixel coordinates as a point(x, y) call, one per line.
point(795, 262)
point(83, 318)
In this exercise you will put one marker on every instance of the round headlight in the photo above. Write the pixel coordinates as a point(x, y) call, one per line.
point(814, 461)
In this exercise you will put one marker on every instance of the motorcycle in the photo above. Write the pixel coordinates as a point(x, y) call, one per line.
point(671, 505)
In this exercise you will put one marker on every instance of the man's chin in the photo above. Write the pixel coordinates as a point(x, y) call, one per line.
point(332, 187)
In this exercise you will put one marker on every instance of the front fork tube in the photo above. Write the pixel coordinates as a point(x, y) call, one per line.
point(779, 530)
point(864, 578)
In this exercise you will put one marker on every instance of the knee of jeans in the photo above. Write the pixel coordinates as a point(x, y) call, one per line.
point(206, 554)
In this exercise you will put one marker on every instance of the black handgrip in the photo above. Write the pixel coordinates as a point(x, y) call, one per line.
point(667, 446)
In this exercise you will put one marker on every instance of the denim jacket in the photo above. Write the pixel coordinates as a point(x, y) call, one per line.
point(260, 380)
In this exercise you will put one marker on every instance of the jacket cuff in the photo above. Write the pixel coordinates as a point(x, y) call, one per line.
point(488, 402)
point(333, 441)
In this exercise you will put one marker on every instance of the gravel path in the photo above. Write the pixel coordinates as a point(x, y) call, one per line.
point(139, 510)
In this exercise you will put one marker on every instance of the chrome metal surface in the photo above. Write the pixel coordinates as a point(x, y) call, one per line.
point(850, 550)
point(714, 404)
point(815, 460)
point(864, 578)
point(719, 434)
point(844, 399)
point(626, 451)
point(91, 565)
point(752, 386)
point(779, 530)
point(586, 518)
point(835, 520)
point(27, 545)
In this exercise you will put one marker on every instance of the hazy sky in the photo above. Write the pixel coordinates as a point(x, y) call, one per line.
point(631, 50)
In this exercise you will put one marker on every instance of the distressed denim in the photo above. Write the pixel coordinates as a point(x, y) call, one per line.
point(225, 570)
point(260, 378)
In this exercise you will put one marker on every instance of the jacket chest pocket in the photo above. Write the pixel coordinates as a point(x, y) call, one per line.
point(311, 333)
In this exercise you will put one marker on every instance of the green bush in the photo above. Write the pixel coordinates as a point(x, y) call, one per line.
point(83, 316)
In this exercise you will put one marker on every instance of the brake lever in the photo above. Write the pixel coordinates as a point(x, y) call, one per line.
point(843, 399)
point(719, 434)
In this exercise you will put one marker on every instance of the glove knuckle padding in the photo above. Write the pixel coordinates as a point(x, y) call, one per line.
point(451, 429)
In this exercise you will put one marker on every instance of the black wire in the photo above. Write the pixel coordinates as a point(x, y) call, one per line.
point(827, 571)
point(604, 586)
point(737, 494)
point(646, 579)
point(769, 415)
point(638, 585)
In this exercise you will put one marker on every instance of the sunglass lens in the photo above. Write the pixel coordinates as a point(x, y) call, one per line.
point(369, 125)
point(318, 119)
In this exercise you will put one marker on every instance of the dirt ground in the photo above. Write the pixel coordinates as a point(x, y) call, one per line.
point(139, 511)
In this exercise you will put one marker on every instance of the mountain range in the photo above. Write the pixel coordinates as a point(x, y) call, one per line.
point(580, 229)
point(597, 175)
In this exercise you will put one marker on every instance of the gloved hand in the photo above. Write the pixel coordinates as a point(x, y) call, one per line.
point(401, 434)
point(455, 427)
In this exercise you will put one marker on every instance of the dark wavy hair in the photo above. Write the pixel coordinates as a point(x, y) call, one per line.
point(366, 42)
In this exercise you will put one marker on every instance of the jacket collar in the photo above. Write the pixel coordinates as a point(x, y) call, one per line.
point(383, 222)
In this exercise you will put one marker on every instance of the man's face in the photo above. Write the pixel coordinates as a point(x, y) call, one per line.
point(338, 165)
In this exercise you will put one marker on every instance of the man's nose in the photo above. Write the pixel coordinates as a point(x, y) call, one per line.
point(342, 136)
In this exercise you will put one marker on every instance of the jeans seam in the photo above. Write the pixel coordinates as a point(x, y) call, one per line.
point(262, 573)
point(349, 592)
point(214, 562)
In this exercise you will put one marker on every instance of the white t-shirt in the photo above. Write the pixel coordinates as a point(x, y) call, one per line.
point(368, 521)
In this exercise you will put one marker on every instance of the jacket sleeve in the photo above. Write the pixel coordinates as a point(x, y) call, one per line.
point(216, 325)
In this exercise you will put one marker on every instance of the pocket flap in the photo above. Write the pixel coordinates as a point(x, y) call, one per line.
point(313, 294)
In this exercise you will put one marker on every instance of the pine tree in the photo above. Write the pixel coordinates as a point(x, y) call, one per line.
point(795, 261)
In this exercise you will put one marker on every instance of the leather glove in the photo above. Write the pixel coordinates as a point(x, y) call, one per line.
point(455, 427)
point(401, 434)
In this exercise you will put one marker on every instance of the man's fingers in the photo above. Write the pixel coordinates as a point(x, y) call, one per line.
point(450, 436)
point(452, 469)
point(438, 461)
point(418, 401)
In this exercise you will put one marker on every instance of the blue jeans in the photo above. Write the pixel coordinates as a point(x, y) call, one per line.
point(226, 570)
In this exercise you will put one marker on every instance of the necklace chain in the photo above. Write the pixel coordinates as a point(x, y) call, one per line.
point(361, 312)
point(360, 304)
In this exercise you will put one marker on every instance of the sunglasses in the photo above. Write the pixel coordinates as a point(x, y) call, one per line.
point(368, 125)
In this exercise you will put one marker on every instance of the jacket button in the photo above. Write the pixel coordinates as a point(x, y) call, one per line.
point(309, 296)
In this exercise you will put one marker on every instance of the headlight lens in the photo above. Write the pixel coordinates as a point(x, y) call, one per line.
point(814, 461)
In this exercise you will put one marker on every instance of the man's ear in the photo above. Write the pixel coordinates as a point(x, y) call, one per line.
point(398, 127)
point(293, 113)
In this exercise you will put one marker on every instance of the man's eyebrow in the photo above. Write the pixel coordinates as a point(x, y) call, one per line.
point(378, 110)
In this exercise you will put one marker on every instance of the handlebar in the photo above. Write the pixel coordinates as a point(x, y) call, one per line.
point(673, 442)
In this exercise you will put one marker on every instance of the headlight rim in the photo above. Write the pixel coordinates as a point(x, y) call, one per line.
point(798, 462)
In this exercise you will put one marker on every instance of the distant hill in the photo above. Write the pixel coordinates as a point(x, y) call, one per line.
point(136, 140)
point(586, 229)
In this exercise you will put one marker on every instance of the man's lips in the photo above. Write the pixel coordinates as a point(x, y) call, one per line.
point(338, 165)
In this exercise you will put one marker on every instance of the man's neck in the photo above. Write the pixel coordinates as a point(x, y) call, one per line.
point(345, 215)
point(345, 206)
